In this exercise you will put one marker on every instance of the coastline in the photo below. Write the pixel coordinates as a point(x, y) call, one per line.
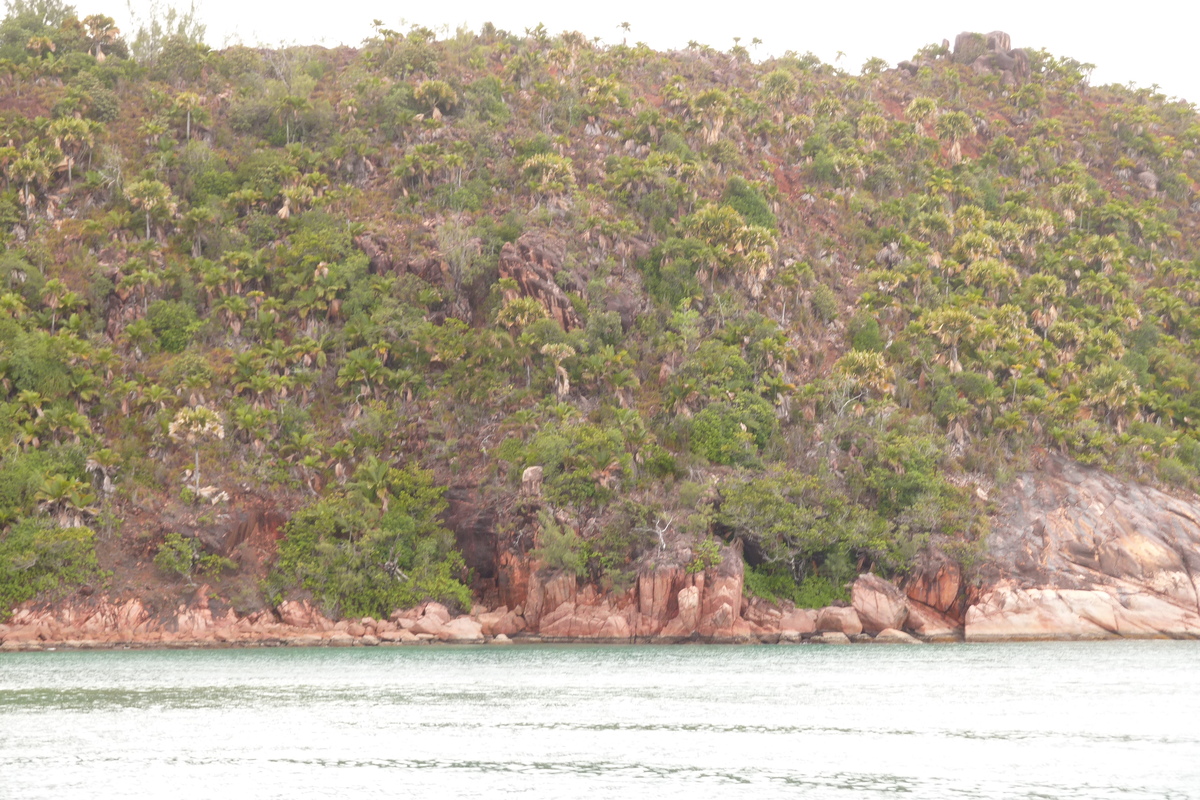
point(310, 641)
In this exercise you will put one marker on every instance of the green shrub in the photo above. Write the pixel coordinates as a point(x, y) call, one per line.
point(22, 474)
point(776, 585)
point(784, 517)
point(174, 323)
point(670, 269)
point(749, 202)
point(485, 99)
point(561, 548)
point(706, 554)
point(864, 333)
point(36, 362)
point(39, 560)
point(735, 432)
point(359, 562)
point(625, 537)
point(584, 464)
point(824, 303)
point(185, 556)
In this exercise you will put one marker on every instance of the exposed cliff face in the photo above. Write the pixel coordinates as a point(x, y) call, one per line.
point(666, 603)
point(1077, 553)
point(533, 261)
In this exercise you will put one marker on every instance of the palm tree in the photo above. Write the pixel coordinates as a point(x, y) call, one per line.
point(558, 353)
point(54, 296)
point(192, 426)
point(993, 276)
point(289, 108)
point(104, 464)
point(72, 136)
point(871, 126)
point(548, 174)
point(954, 127)
point(29, 168)
point(66, 499)
point(188, 102)
point(920, 111)
point(152, 197)
point(102, 32)
point(438, 95)
point(866, 371)
point(779, 86)
point(711, 107)
point(364, 367)
point(37, 45)
point(373, 481)
point(952, 327)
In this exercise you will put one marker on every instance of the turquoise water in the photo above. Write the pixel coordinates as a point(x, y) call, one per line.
point(1055, 720)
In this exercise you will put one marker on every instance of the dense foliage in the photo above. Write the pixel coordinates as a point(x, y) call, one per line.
point(378, 548)
point(823, 314)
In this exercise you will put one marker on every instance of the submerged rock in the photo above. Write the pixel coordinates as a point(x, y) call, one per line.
point(893, 636)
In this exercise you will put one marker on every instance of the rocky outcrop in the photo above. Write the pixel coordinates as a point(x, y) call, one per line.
point(937, 584)
point(572, 621)
point(666, 603)
point(799, 620)
point(992, 52)
point(1077, 553)
point(501, 622)
point(99, 622)
point(878, 603)
point(547, 594)
point(839, 620)
point(931, 625)
point(1008, 613)
point(532, 261)
point(462, 629)
point(388, 257)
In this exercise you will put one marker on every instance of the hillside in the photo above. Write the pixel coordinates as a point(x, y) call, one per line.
point(448, 319)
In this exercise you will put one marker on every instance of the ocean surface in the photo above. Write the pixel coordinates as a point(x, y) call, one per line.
point(1053, 720)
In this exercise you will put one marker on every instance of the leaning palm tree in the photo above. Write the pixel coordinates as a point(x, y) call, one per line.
point(559, 352)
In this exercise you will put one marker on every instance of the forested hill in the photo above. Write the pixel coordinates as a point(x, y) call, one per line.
point(819, 316)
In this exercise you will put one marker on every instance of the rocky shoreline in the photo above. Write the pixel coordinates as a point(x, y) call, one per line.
point(1074, 554)
point(698, 613)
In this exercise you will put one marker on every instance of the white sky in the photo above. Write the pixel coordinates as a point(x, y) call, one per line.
point(1149, 42)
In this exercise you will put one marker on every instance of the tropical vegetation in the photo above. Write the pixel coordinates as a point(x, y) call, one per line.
point(821, 314)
